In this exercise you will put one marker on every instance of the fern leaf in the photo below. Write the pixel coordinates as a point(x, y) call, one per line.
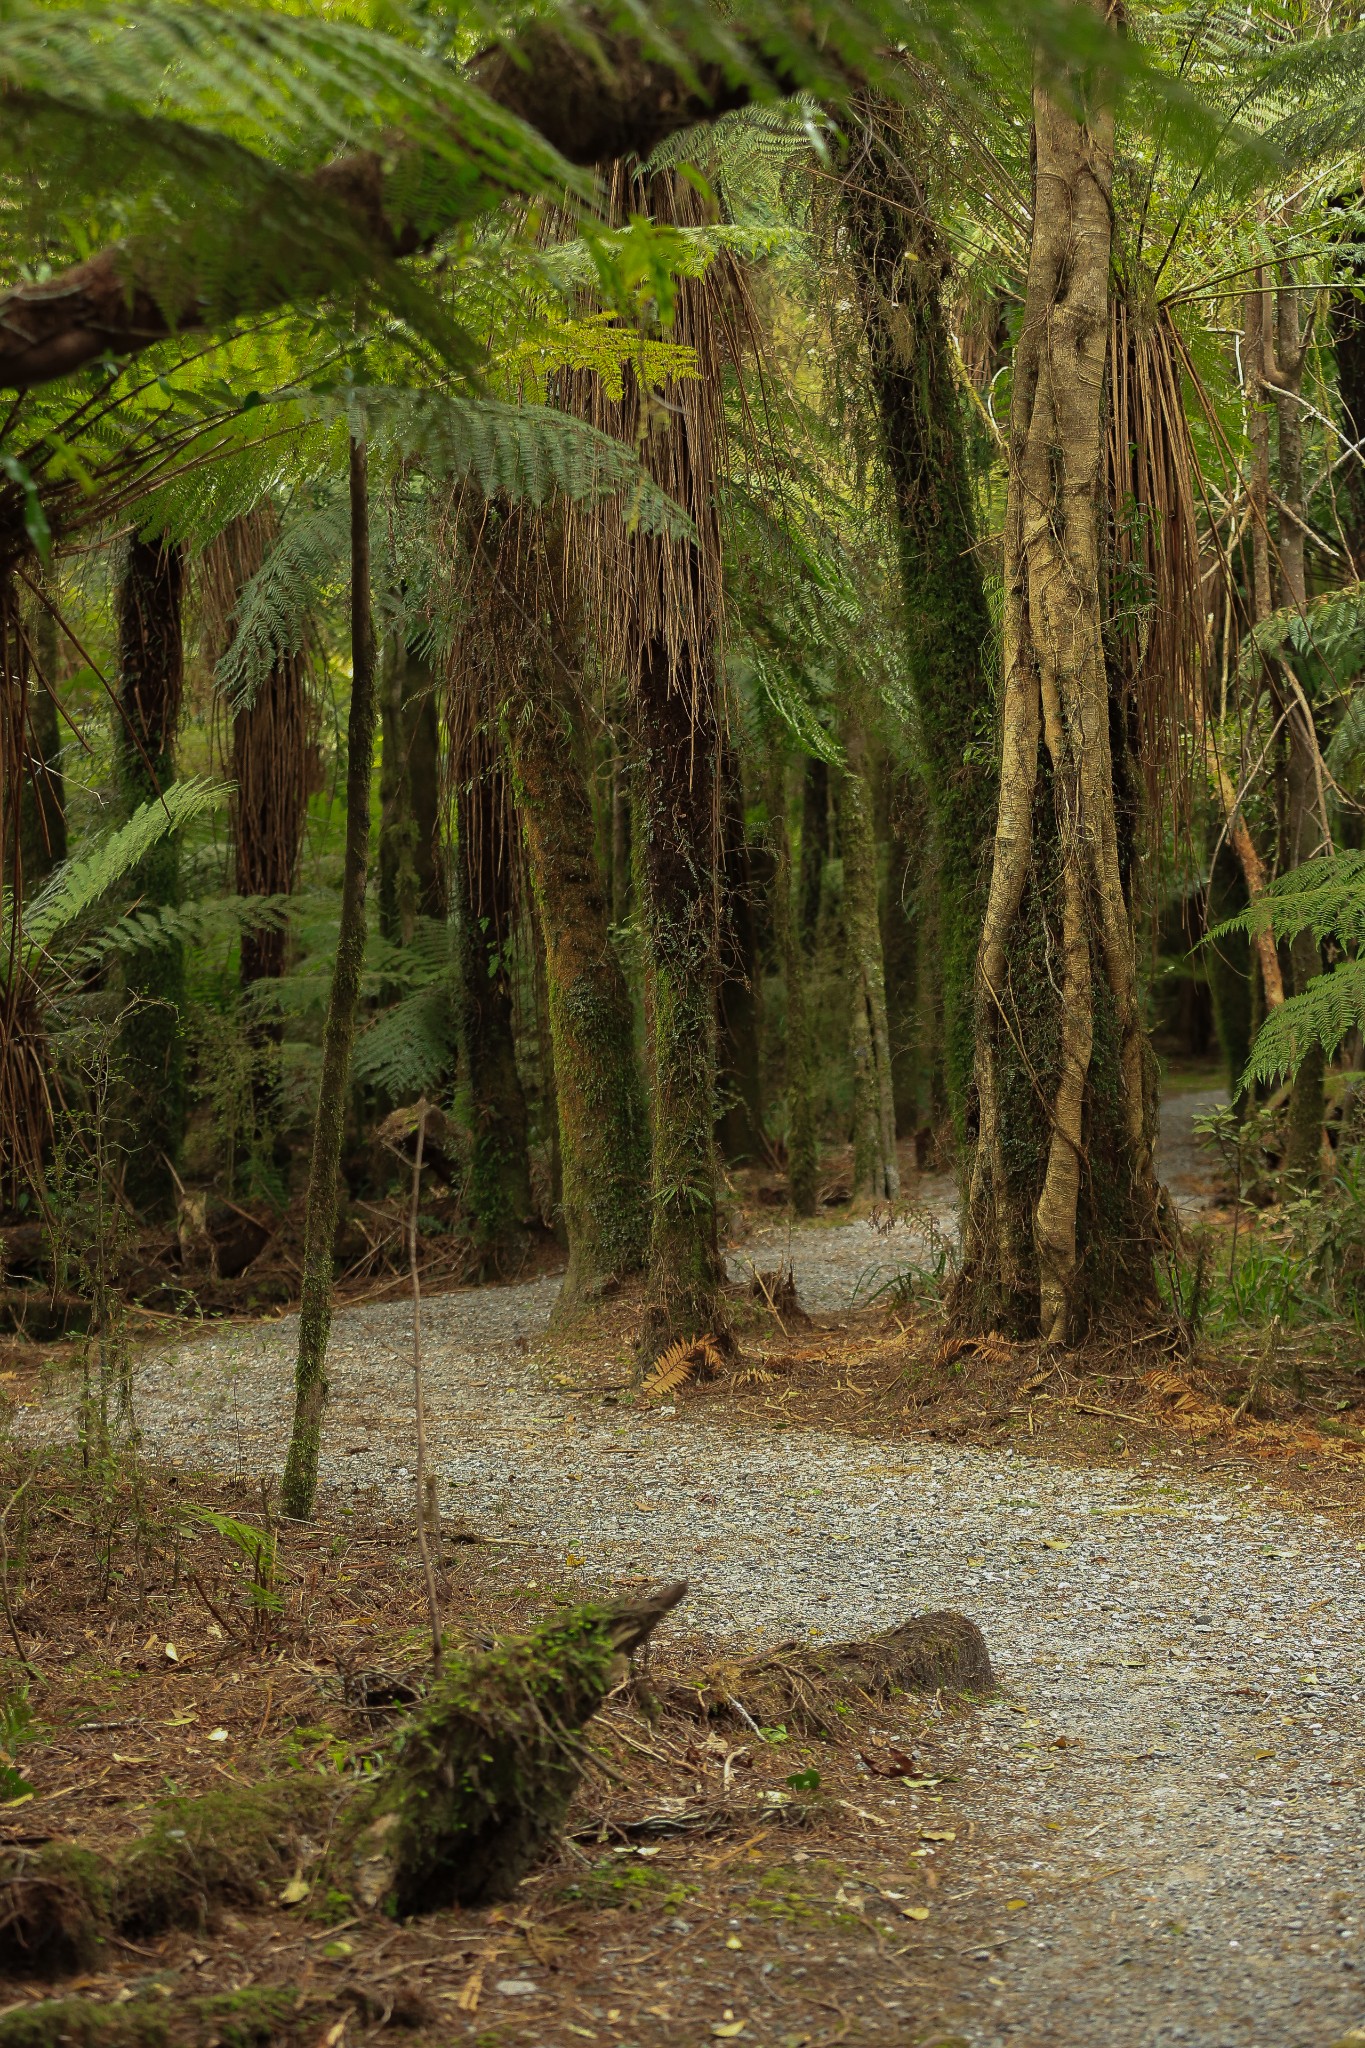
point(690, 1358)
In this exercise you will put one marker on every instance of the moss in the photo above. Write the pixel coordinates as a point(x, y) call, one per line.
point(234, 1847)
point(482, 1777)
point(950, 636)
point(258, 2017)
point(54, 1903)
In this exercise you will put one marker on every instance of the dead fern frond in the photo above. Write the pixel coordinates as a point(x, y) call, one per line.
point(991, 1349)
point(690, 1358)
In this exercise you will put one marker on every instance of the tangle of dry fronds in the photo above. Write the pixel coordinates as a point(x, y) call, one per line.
point(1157, 601)
point(690, 1358)
point(992, 1349)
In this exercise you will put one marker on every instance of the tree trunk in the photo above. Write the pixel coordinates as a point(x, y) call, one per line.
point(899, 263)
point(603, 1120)
point(677, 747)
point(803, 1155)
point(740, 1128)
point(410, 876)
point(499, 1206)
point(1348, 346)
point(1061, 1211)
point(315, 1312)
point(1305, 820)
point(43, 792)
point(151, 1045)
point(875, 1172)
point(25, 1119)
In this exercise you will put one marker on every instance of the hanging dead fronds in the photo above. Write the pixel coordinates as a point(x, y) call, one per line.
point(691, 1358)
point(1158, 632)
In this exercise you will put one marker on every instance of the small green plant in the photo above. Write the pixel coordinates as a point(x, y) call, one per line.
point(18, 1725)
point(257, 1550)
point(805, 1781)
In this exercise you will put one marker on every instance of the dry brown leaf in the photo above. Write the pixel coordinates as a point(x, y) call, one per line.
point(690, 1358)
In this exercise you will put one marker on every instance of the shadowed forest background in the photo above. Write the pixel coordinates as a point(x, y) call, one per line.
point(623, 634)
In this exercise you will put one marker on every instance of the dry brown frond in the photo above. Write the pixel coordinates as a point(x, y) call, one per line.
point(991, 1349)
point(690, 1358)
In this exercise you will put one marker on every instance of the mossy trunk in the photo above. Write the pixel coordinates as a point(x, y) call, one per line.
point(315, 1312)
point(603, 1119)
point(147, 717)
point(1306, 830)
point(410, 869)
point(899, 263)
point(906, 830)
point(875, 1171)
point(677, 747)
point(803, 1156)
point(499, 1206)
point(25, 1118)
point(1061, 1217)
point(739, 1074)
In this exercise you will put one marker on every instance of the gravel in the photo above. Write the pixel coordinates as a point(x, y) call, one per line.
point(1191, 1860)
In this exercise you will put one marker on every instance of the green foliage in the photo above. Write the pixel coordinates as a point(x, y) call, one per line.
point(81, 883)
point(1326, 897)
point(258, 1550)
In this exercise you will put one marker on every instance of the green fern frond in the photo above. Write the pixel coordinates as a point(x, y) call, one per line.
point(1332, 1006)
point(79, 884)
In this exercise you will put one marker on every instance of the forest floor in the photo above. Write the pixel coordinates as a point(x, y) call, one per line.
point(1152, 1833)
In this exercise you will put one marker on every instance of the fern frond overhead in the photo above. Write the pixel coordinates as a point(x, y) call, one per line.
point(1325, 896)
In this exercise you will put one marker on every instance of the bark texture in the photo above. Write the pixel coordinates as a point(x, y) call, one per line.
point(603, 1118)
point(803, 1158)
point(151, 1044)
point(900, 261)
point(875, 1172)
point(411, 881)
point(740, 1130)
point(499, 1206)
point(315, 1310)
point(1061, 1211)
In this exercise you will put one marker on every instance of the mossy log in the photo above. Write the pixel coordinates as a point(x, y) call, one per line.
point(800, 1686)
point(483, 1774)
point(59, 1902)
point(477, 1786)
point(259, 2017)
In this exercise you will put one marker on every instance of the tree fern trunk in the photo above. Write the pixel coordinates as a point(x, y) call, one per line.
point(677, 748)
point(803, 1162)
point(603, 1120)
point(151, 1045)
point(24, 1106)
point(44, 788)
point(498, 1201)
point(411, 882)
point(875, 1171)
point(315, 1313)
point(899, 263)
point(740, 1129)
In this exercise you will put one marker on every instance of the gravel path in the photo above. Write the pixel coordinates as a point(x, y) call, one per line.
point(1193, 1859)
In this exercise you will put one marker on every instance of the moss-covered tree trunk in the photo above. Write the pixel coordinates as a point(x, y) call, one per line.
point(740, 1080)
point(1348, 346)
point(315, 1311)
point(899, 262)
point(411, 878)
point(1061, 1214)
point(803, 1158)
point(499, 1206)
point(875, 1172)
point(1305, 808)
point(677, 747)
point(603, 1120)
point(151, 1042)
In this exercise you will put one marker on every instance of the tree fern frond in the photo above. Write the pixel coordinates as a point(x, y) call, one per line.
point(1332, 1005)
point(80, 883)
